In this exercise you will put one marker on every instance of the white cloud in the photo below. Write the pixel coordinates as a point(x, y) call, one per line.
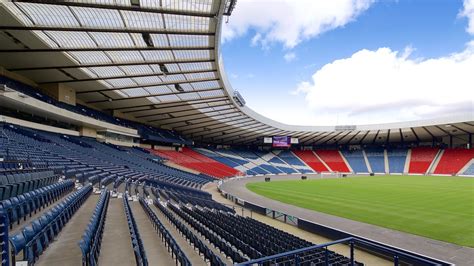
point(289, 21)
point(468, 12)
point(387, 86)
point(290, 56)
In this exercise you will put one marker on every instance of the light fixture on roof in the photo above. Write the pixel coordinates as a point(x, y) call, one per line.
point(164, 69)
point(178, 87)
point(239, 99)
point(148, 40)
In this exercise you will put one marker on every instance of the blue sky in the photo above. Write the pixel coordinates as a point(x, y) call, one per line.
point(310, 73)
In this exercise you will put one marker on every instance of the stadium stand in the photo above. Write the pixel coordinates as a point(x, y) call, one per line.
point(193, 160)
point(293, 161)
point(453, 160)
point(356, 160)
point(396, 160)
point(79, 170)
point(311, 160)
point(376, 159)
point(421, 159)
point(333, 160)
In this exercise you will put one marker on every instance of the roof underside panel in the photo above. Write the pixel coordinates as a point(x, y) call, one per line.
point(158, 62)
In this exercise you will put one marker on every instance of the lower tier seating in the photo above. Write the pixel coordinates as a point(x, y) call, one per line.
point(376, 159)
point(356, 160)
point(225, 247)
point(334, 160)
point(204, 251)
point(165, 235)
point(18, 182)
point(92, 237)
point(137, 244)
point(311, 160)
point(35, 238)
point(453, 160)
point(421, 159)
point(396, 160)
point(19, 207)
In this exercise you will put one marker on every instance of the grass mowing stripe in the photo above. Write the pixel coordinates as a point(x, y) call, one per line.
point(432, 206)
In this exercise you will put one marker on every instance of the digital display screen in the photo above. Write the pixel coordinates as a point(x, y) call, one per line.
point(281, 141)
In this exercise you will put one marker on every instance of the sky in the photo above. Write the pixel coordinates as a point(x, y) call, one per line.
point(350, 62)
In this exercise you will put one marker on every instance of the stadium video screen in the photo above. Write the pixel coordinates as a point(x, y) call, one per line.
point(281, 141)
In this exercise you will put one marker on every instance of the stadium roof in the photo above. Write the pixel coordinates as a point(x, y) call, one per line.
point(159, 61)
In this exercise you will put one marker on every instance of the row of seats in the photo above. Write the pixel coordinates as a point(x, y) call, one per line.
point(137, 243)
point(34, 238)
point(4, 244)
point(241, 245)
point(14, 183)
point(224, 246)
point(165, 235)
point(207, 253)
point(24, 205)
point(263, 238)
point(92, 237)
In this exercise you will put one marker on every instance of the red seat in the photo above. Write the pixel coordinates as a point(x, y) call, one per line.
point(334, 160)
point(421, 159)
point(198, 162)
point(453, 160)
point(311, 160)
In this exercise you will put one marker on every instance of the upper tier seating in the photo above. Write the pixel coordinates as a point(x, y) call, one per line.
point(311, 160)
point(356, 160)
point(333, 160)
point(146, 132)
point(396, 160)
point(421, 159)
point(376, 159)
point(453, 160)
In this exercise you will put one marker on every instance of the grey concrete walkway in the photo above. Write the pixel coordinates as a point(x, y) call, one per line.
point(452, 253)
point(116, 244)
point(65, 249)
point(156, 251)
point(187, 248)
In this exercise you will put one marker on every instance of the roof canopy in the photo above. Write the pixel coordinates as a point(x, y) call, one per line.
point(159, 62)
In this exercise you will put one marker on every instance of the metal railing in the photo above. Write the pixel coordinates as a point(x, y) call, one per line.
point(296, 255)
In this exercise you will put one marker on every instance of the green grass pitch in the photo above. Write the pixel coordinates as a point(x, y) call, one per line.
point(437, 207)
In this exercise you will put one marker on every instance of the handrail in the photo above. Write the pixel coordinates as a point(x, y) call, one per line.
point(352, 241)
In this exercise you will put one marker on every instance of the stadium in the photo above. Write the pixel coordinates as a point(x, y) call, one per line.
point(123, 142)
